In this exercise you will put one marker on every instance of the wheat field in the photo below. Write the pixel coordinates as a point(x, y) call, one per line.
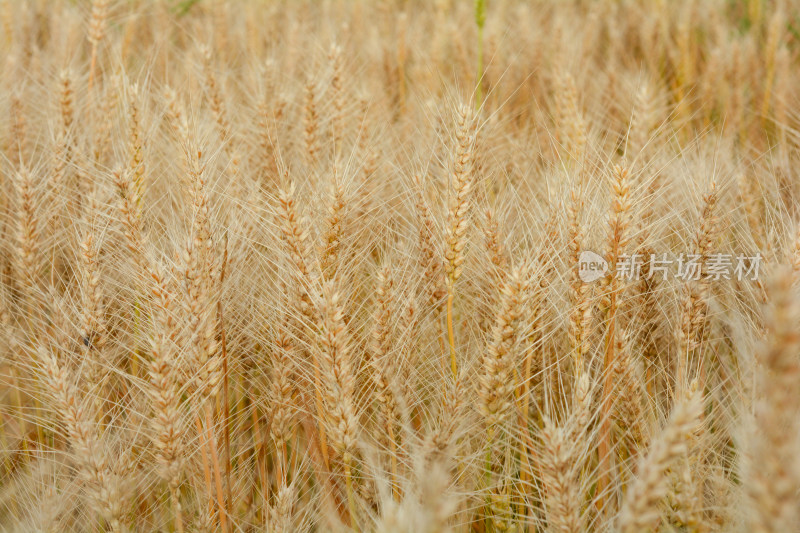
point(399, 266)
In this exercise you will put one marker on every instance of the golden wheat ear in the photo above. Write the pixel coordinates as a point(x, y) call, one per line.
point(640, 506)
point(458, 217)
point(770, 464)
point(338, 389)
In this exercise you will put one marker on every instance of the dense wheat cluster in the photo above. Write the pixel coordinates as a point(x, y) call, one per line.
point(288, 265)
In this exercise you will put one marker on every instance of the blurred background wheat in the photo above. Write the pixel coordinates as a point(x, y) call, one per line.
point(315, 266)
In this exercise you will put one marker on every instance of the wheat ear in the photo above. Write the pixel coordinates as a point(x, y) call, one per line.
point(92, 326)
point(496, 383)
point(295, 238)
point(694, 303)
point(581, 315)
point(282, 407)
point(560, 468)
point(28, 260)
point(164, 391)
point(337, 90)
point(81, 431)
point(571, 126)
point(310, 125)
point(640, 505)
point(200, 287)
point(136, 145)
point(794, 257)
point(384, 367)
point(619, 225)
point(433, 289)
point(336, 221)
point(461, 192)
point(338, 382)
point(773, 473)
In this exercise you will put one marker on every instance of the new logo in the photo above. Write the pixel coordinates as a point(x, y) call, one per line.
point(591, 266)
